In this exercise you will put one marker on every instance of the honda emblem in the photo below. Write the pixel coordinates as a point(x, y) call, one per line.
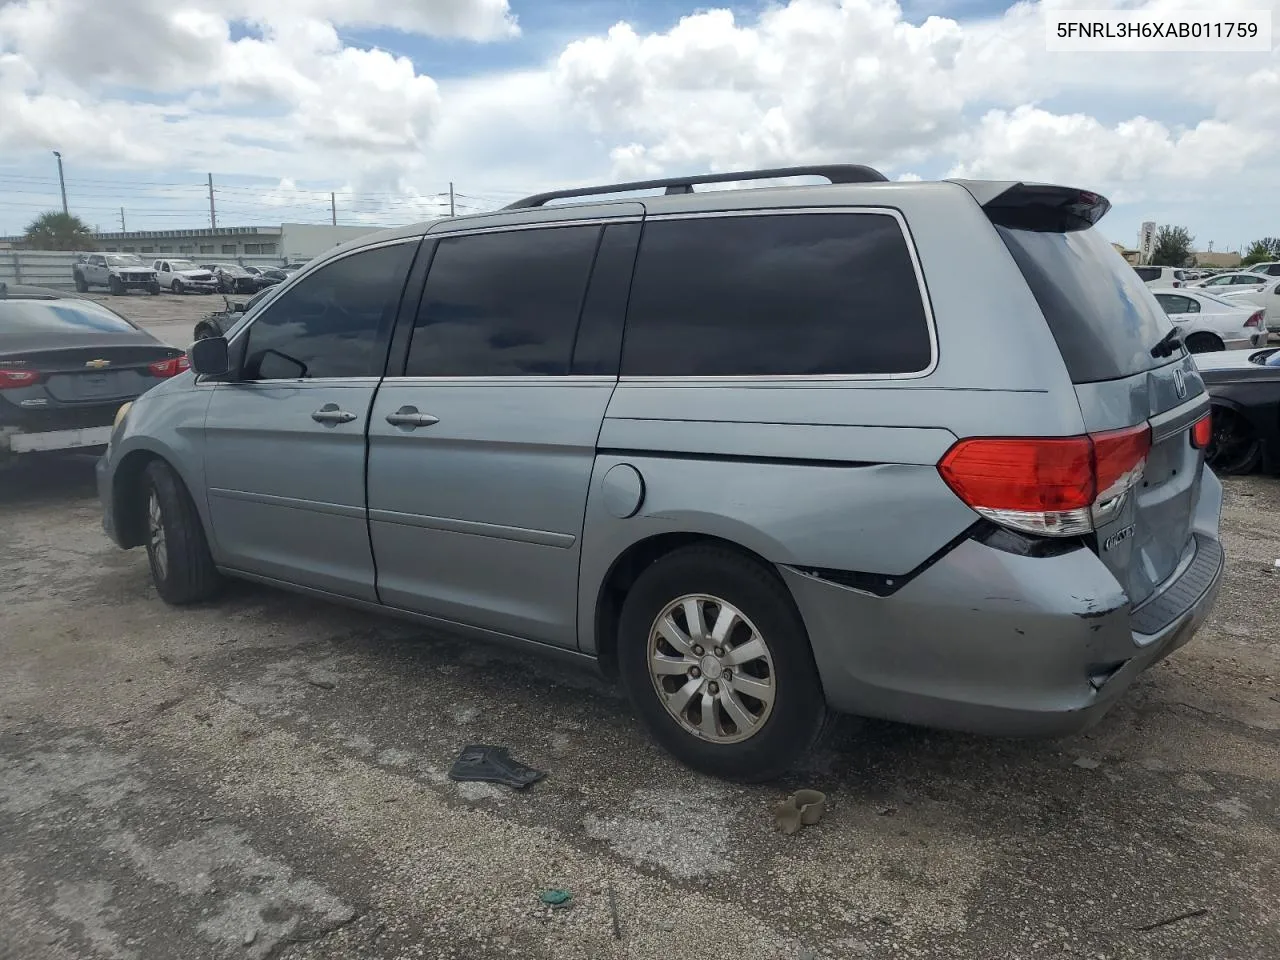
point(1179, 383)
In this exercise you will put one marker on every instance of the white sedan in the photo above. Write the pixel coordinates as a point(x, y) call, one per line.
point(1230, 282)
point(1210, 322)
point(1266, 296)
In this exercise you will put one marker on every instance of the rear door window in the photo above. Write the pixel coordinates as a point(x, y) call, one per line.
point(1172, 303)
point(1105, 321)
point(503, 303)
point(776, 295)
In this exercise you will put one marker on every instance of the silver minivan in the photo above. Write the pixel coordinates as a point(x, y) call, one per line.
point(922, 451)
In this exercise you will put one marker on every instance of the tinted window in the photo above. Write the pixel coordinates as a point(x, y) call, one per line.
point(502, 304)
point(1242, 279)
point(58, 317)
point(329, 325)
point(775, 295)
point(599, 342)
point(1104, 320)
point(1148, 273)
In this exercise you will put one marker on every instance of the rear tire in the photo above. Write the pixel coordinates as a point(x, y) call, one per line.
point(181, 566)
point(82, 285)
point(766, 652)
point(204, 331)
point(1203, 343)
point(1235, 448)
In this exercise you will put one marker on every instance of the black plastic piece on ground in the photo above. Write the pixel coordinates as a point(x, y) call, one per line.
point(493, 765)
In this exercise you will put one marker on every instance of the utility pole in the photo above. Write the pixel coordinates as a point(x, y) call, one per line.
point(333, 208)
point(451, 198)
point(213, 214)
point(62, 184)
point(122, 227)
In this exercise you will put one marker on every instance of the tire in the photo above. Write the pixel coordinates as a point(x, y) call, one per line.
point(181, 566)
point(1235, 448)
point(1203, 343)
point(203, 331)
point(176, 287)
point(154, 289)
point(116, 286)
point(717, 576)
point(82, 285)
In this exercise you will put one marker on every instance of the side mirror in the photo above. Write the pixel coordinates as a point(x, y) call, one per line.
point(208, 357)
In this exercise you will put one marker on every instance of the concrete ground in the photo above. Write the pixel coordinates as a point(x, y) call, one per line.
point(265, 776)
point(170, 317)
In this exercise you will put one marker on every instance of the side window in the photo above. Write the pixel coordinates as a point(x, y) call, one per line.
point(332, 323)
point(1193, 306)
point(1245, 280)
point(1172, 304)
point(503, 303)
point(770, 295)
point(599, 344)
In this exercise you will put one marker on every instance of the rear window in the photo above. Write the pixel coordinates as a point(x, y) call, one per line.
point(1104, 320)
point(1147, 274)
point(59, 316)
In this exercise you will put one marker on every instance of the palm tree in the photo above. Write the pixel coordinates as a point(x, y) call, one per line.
point(59, 231)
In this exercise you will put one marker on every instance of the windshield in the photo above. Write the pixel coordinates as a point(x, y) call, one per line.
point(1102, 316)
point(183, 265)
point(59, 316)
point(125, 260)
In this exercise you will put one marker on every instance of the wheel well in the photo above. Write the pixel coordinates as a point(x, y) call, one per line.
point(1202, 336)
point(129, 498)
point(627, 569)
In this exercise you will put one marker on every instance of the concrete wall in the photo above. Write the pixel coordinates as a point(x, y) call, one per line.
point(302, 241)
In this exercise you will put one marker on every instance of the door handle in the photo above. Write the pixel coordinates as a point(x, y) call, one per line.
point(330, 413)
point(411, 418)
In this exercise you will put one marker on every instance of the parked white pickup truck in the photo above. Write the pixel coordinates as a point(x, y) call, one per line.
point(118, 272)
point(179, 276)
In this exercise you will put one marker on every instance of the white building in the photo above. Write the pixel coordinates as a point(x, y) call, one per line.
point(289, 241)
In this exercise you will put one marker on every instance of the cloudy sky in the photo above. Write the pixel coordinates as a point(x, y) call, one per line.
point(384, 103)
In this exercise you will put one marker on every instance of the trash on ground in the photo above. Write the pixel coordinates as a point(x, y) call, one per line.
point(802, 808)
point(556, 898)
point(489, 764)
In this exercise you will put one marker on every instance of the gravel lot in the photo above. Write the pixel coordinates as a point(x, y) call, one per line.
point(265, 777)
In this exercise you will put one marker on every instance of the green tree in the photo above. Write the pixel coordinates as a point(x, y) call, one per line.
point(58, 231)
point(1261, 251)
point(1172, 248)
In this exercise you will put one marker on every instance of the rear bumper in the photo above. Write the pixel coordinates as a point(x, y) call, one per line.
point(82, 437)
point(1246, 342)
point(104, 474)
point(991, 642)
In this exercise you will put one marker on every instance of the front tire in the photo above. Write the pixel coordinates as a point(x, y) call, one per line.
point(181, 565)
point(176, 287)
point(717, 663)
point(1235, 448)
point(116, 286)
point(82, 285)
point(154, 289)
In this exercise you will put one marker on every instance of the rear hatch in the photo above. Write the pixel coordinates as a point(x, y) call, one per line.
point(1108, 326)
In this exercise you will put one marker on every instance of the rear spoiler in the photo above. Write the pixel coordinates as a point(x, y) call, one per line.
point(1037, 206)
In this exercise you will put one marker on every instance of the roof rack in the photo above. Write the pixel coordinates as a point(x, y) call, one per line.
point(835, 173)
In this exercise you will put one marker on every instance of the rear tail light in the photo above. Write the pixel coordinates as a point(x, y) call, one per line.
point(169, 368)
point(1202, 431)
point(1255, 320)
point(9, 379)
point(1177, 283)
point(1051, 486)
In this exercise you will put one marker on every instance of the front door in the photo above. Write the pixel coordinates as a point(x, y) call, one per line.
point(285, 441)
point(480, 455)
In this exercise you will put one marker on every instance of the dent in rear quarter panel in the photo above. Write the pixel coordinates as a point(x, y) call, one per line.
point(168, 421)
point(716, 479)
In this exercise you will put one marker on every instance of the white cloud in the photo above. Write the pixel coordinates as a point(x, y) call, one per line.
point(161, 83)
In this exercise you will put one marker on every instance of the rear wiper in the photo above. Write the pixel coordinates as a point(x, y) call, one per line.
point(1168, 343)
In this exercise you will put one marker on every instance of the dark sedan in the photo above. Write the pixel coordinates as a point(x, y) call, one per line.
point(267, 276)
point(232, 278)
point(1245, 391)
point(67, 364)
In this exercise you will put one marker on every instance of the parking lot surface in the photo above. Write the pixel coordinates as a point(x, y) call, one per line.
point(266, 776)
